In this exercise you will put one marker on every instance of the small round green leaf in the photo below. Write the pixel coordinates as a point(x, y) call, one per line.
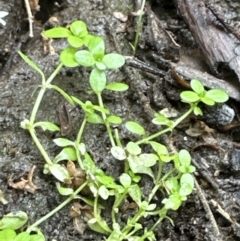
point(94, 118)
point(173, 202)
point(74, 41)
point(189, 96)
point(135, 128)
point(197, 86)
point(68, 153)
point(125, 180)
point(58, 32)
point(86, 39)
point(97, 80)
point(207, 101)
point(7, 235)
point(117, 87)
point(113, 60)
point(187, 178)
point(13, 220)
point(103, 192)
point(63, 142)
point(97, 47)
point(184, 157)
point(135, 193)
point(148, 160)
point(113, 119)
point(79, 28)
point(187, 184)
point(162, 120)
point(159, 148)
point(172, 184)
point(60, 172)
point(65, 191)
point(67, 57)
point(100, 65)
point(133, 148)
point(197, 111)
point(118, 153)
point(151, 207)
point(45, 125)
point(217, 95)
point(84, 58)
point(185, 189)
point(23, 236)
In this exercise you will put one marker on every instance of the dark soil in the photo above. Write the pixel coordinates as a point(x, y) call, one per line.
point(217, 163)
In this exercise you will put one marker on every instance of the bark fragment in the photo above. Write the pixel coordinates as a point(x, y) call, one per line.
point(217, 45)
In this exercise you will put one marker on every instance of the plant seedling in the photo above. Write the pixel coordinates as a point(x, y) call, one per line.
point(80, 172)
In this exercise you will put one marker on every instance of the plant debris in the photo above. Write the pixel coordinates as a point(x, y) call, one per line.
point(26, 185)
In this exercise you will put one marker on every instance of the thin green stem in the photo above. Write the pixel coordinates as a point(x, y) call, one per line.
point(105, 120)
point(153, 192)
point(117, 203)
point(40, 147)
point(139, 26)
point(98, 218)
point(141, 212)
point(68, 200)
point(117, 138)
point(77, 142)
point(144, 140)
point(160, 166)
point(159, 220)
point(42, 92)
point(132, 222)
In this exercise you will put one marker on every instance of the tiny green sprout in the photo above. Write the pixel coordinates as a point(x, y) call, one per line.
point(76, 36)
point(199, 94)
point(185, 162)
point(95, 56)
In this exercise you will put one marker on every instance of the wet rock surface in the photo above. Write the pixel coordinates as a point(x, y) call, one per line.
point(217, 164)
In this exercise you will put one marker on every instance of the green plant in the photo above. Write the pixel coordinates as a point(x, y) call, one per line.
point(13, 221)
point(175, 184)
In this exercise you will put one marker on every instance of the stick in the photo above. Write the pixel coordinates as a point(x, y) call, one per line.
point(30, 18)
point(203, 199)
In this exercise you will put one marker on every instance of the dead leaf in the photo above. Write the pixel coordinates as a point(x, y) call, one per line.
point(65, 121)
point(26, 185)
point(47, 47)
point(199, 128)
point(80, 214)
point(127, 206)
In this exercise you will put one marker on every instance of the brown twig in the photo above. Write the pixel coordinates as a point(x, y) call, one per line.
point(206, 207)
point(30, 18)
